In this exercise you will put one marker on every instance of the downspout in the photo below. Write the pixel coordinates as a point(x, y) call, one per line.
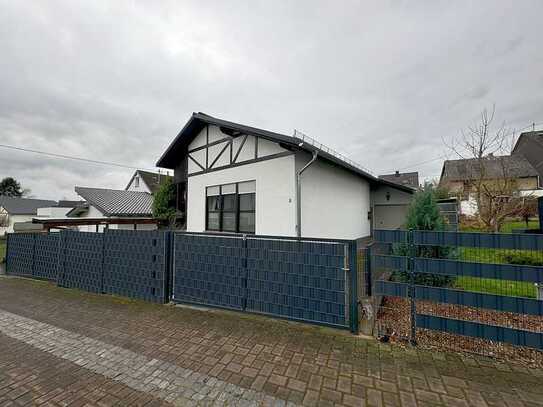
point(299, 194)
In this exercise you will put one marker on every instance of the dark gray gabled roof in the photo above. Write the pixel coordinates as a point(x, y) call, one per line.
point(530, 145)
point(24, 206)
point(153, 180)
point(408, 179)
point(178, 147)
point(493, 167)
point(119, 203)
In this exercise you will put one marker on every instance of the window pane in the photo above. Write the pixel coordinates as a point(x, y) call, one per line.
point(213, 221)
point(229, 221)
point(247, 222)
point(229, 202)
point(213, 191)
point(247, 187)
point(247, 202)
point(213, 203)
point(228, 189)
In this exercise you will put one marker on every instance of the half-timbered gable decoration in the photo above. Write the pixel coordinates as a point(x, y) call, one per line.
point(216, 147)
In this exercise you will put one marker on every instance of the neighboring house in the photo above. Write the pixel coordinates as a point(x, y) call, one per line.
point(408, 179)
point(145, 181)
point(19, 210)
point(243, 179)
point(530, 146)
point(460, 177)
point(106, 209)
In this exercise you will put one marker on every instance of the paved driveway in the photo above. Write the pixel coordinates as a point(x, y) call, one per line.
point(62, 347)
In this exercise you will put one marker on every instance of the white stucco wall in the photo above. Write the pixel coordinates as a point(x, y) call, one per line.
point(335, 202)
point(275, 194)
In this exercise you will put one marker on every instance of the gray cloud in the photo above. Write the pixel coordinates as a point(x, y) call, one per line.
point(382, 82)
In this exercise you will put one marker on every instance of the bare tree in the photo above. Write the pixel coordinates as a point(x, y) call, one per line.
point(490, 171)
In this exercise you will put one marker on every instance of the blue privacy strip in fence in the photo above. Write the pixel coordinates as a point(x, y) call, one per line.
point(20, 254)
point(302, 279)
point(46, 256)
point(532, 274)
point(480, 300)
point(390, 236)
point(209, 270)
point(389, 262)
point(135, 264)
point(391, 288)
point(128, 263)
point(516, 337)
point(81, 258)
point(298, 280)
point(473, 239)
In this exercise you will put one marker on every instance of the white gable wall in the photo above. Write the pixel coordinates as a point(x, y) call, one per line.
point(141, 187)
point(275, 195)
point(206, 156)
point(335, 202)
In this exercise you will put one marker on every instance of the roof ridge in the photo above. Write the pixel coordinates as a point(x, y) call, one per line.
point(112, 189)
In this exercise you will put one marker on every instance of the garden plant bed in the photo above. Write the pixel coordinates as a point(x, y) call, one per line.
point(394, 318)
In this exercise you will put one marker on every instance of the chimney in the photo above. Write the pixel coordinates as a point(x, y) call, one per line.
point(397, 174)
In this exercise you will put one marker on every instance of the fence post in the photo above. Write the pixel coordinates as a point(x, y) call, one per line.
point(367, 269)
point(245, 255)
point(353, 268)
point(168, 265)
point(412, 296)
point(103, 259)
point(172, 265)
point(7, 252)
point(33, 271)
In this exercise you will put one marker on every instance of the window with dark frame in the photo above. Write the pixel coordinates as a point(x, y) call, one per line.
point(231, 207)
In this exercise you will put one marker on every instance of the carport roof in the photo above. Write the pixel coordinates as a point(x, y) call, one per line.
point(115, 202)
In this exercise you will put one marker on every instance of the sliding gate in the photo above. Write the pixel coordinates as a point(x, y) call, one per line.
point(308, 280)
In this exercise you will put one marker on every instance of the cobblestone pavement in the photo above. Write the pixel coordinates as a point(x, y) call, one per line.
point(65, 347)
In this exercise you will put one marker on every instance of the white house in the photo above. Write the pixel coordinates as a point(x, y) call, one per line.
point(146, 181)
point(243, 179)
point(19, 210)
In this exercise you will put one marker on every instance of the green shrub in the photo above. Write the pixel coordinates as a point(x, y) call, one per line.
point(424, 214)
point(164, 203)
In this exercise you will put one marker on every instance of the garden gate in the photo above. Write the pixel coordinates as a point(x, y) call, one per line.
point(308, 280)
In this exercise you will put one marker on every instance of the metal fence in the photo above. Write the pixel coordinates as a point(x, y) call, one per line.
point(308, 280)
point(128, 263)
point(479, 292)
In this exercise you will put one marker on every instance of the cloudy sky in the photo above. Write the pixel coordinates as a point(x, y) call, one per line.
point(383, 81)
